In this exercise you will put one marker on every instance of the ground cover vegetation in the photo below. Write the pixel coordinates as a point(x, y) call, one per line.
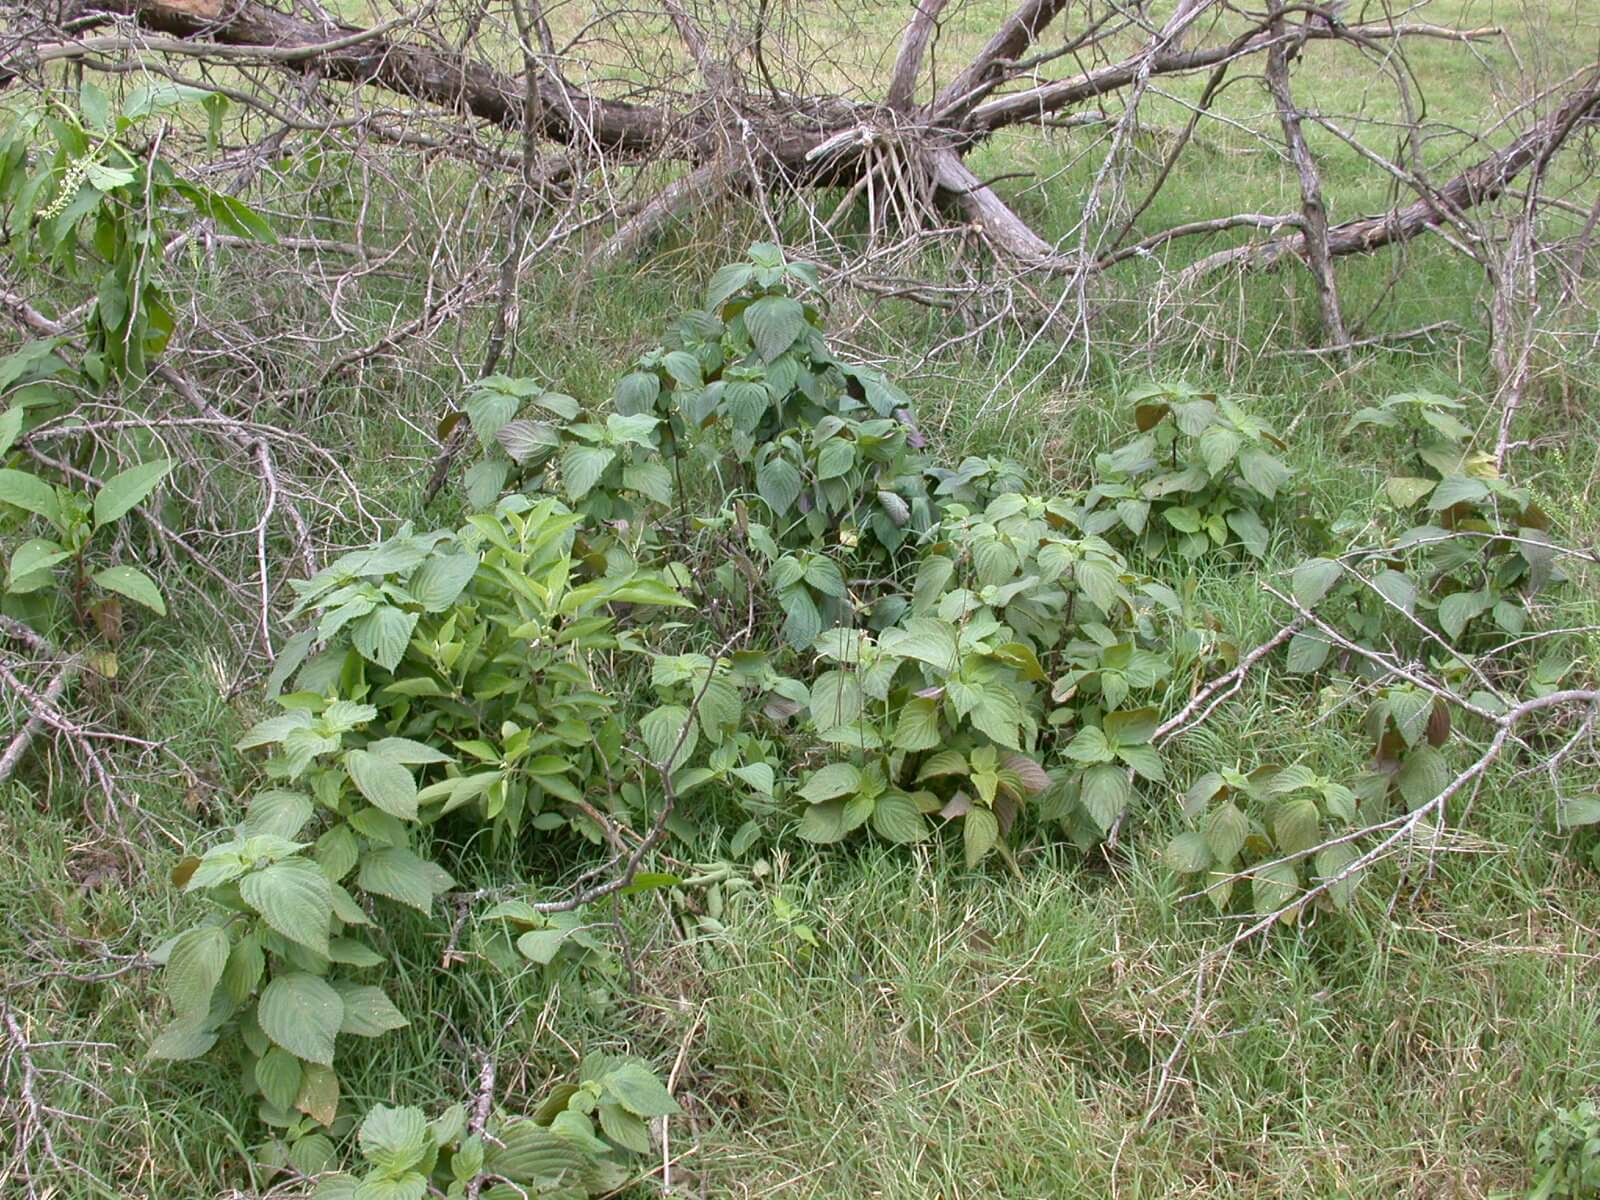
point(850, 686)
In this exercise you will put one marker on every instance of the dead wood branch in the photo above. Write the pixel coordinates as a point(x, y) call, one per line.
point(1313, 212)
point(1483, 181)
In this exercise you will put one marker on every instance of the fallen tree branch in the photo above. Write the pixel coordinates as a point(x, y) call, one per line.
point(1483, 181)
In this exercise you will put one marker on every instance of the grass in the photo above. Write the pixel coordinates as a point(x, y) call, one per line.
point(873, 1023)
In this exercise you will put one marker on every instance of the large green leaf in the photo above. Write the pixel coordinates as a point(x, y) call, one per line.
point(400, 875)
point(1274, 887)
point(1105, 793)
point(134, 584)
point(895, 816)
point(831, 782)
point(194, 968)
point(779, 484)
point(31, 564)
point(1297, 825)
point(980, 830)
point(31, 493)
point(1458, 489)
point(824, 822)
point(278, 1075)
point(440, 580)
point(246, 965)
point(182, 1040)
point(925, 639)
point(1458, 608)
point(1312, 579)
point(1422, 776)
point(639, 1091)
point(294, 898)
point(582, 467)
point(383, 634)
point(1307, 652)
point(367, 1010)
point(301, 1013)
point(917, 725)
point(10, 426)
point(1225, 830)
point(637, 393)
point(774, 322)
point(669, 737)
point(395, 1140)
point(1262, 471)
point(384, 782)
point(728, 280)
point(1188, 853)
point(527, 1153)
point(128, 488)
point(277, 812)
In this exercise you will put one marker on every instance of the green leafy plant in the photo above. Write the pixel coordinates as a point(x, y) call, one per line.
point(1566, 1155)
point(276, 965)
point(81, 197)
point(576, 1144)
point(486, 640)
point(1264, 826)
point(76, 521)
point(1201, 475)
point(1470, 557)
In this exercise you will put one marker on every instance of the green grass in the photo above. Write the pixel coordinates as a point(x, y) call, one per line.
point(1075, 1032)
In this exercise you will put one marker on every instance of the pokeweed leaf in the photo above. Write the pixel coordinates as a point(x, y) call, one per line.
point(128, 488)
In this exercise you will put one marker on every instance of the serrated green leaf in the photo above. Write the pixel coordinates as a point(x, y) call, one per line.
point(831, 782)
point(1225, 830)
point(382, 635)
point(1089, 745)
point(1457, 489)
point(980, 830)
point(542, 945)
point(1105, 794)
point(386, 784)
point(182, 1040)
point(1188, 853)
point(1313, 579)
point(637, 1089)
point(400, 875)
point(774, 322)
point(194, 968)
point(924, 639)
point(295, 898)
point(440, 580)
point(1262, 471)
point(301, 1013)
point(367, 1010)
point(1423, 775)
point(1307, 652)
point(1297, 825)
point(276, 812)
point(1274, 887)
point(278, 1076)
point(896, 817)
point(917, 725)
point(395, 1140)
point(778, 483)
point(581, 468)
point(637, 392)
point(824, 823)
point(669, 736)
